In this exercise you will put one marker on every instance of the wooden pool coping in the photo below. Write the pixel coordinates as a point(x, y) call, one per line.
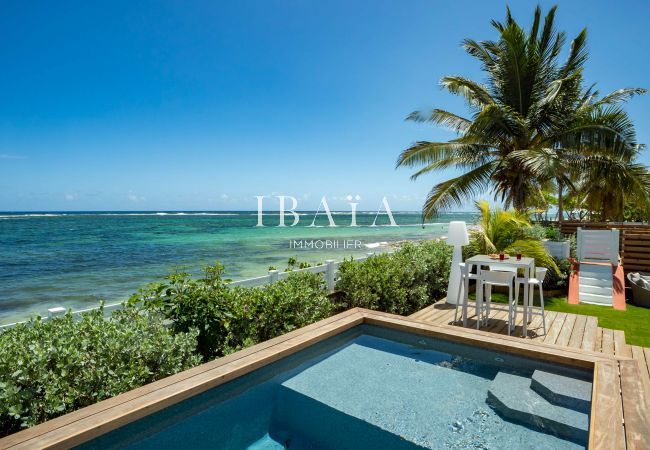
point(619, 416)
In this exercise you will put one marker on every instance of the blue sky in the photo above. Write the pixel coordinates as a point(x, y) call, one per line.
point(202, 105)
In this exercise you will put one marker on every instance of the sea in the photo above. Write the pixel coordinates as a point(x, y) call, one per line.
point(76, 259)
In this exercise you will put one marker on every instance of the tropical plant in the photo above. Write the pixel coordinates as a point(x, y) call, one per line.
point(506, 231)
point(532, 125)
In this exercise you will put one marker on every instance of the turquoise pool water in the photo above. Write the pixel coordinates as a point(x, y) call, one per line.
point(372, 388)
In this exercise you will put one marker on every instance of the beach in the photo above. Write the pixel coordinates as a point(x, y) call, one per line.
point(74, 259)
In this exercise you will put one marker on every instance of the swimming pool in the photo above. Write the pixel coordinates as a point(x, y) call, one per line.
point(371, 387)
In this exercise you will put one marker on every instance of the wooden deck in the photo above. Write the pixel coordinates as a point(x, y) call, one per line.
point(568, 331)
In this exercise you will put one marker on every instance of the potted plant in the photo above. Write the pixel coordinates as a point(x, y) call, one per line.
point(557, 245)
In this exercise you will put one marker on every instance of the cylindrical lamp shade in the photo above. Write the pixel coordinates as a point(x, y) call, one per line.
point(457, 233)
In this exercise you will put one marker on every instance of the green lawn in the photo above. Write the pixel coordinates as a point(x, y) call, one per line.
point(635, 321)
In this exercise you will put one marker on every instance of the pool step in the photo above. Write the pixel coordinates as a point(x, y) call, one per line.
point(562, 391)
point(512, 396)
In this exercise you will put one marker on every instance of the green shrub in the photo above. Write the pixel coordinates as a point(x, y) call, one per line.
point(553, 234)
point(49, 368)
point(193, 304)
point(399, 283)
point(258, 314)
point(560, 280)
point(233, 318)
point(536, 232)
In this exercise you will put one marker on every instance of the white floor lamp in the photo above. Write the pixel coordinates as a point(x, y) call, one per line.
point(457, 237)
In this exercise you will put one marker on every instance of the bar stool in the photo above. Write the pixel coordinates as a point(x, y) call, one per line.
point(491, 278)
point(472, 276)
point(540, 274)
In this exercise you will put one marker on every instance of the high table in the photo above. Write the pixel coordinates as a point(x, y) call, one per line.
point(527, 264)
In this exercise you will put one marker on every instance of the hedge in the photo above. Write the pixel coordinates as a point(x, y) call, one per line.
point(400, 283)
point(49, 368)
point(228, 319)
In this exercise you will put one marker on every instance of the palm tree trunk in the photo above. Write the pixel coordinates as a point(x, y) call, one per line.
point(560, 205)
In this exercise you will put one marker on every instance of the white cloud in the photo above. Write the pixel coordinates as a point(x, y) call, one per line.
point(135, 198)
point(224, 196)
point(70, 197)
point(7, 156)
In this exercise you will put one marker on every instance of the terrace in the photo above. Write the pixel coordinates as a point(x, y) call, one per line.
point(618, 377)
point(619, 410)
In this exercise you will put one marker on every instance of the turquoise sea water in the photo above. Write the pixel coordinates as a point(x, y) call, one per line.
point(75, 259)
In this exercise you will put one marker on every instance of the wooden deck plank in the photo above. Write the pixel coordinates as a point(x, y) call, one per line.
point(447, 316)
point(524, 347)
point(635, 407)
point(608, 341)
point(437, 310)
point(620, 347)
point(606, 427)
point(535, 327)
point(501, 326)
point(599, 340)
point(555, 330)
point(424, 313)
point(639, 356)
point(589, 336)
point(430, 313)
point(550, 319)
point(578, 332)
point(493, 320)
point(565, 335)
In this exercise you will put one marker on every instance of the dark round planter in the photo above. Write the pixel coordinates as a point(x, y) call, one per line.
point(640, 295)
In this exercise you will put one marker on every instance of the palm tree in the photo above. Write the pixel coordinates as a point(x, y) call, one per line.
point(599, 165)
point(500, 230)
point(523, 121)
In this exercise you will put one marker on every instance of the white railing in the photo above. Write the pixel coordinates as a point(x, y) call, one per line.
point(330, 270)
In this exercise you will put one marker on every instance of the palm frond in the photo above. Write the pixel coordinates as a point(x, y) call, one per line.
point(452, 192)
point(441, 117)
point(425, 153)
point(475, 93)
point(619, 96)
point(533, 249)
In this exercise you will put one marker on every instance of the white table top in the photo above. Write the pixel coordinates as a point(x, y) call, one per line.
point(511, 262)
